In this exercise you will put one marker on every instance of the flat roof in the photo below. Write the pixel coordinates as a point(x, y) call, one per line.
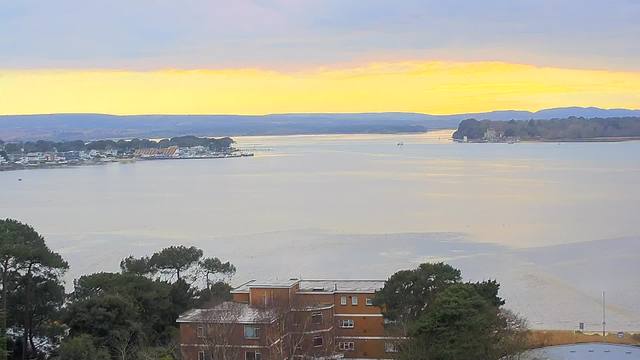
point(229, 313)
point(281, 284)
point(340, 285)
point(327, 286)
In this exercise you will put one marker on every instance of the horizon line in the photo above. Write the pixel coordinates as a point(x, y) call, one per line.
point(323, 113)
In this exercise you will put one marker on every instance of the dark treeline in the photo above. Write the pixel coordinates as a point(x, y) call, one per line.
point(126, 315)
point(121, 145)
point(436, 315)
point(572, 128)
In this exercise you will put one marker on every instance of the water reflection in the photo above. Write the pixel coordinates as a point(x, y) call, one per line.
point(533, 216)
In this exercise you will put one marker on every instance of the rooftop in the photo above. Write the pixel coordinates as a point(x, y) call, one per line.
point(316, 285)
point(338, 286)
point(229, 313)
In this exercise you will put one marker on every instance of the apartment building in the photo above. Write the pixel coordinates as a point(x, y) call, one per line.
point(291, 319)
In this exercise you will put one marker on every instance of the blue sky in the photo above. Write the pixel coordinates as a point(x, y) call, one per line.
point(277, 34)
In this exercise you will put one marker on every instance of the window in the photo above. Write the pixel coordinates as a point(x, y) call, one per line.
point(317, 341)
point(343, 300)
point(346, 323)
point(296, 320)
point(200, 330)
point(354, 300)
point(251, 332)
point(252, 355)
point(201, 355)
point(347, 346)
point(390, 347)
point(369, 301)
point(316, 318)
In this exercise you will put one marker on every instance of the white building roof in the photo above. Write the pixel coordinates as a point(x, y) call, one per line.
point(340, 286)
point(229, 313)
point(317, 285)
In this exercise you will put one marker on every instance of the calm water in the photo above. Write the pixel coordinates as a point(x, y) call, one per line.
point(555, 224)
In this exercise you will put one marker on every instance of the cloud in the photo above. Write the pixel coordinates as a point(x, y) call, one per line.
point(280, 34)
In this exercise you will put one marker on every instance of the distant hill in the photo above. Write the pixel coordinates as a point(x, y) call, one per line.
point(100, 126)
point(569, 129)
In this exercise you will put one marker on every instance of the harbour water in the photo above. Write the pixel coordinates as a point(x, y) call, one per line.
point(556, 224)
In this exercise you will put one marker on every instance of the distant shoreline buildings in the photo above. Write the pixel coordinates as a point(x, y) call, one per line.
point(19, 160)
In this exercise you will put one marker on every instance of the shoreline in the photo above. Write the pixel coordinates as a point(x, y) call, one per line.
point(589, 140)
point(564, 140)
point(119, 161)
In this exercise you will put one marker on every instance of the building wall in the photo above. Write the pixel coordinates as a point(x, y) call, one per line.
point(241, 298)
point(361, 308)
point(305, 320)
point(233, 332)
point(262, 297)
point(315, 298)
point(236, 345)
point(367, 334)
point(363, 326)
point(366, 348)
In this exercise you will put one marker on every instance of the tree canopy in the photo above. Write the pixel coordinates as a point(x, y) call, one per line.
point(219, 144)
point(27, 267)
point(126, 315)
point(176, 261)
point(407, 292)
point(442, 318)
point(571, 128)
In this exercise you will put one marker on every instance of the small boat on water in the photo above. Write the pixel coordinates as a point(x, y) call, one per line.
point(400, 143)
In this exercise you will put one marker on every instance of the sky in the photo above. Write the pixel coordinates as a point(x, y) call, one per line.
point(276, 56)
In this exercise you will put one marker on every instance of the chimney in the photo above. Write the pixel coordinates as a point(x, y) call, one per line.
point(335, 287)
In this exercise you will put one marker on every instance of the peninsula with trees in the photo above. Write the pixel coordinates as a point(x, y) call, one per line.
point(566, 129)
point(47, 154)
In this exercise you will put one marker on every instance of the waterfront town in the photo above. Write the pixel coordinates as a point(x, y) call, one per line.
point(17, 156)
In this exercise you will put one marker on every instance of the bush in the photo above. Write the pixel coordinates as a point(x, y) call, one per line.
point(82, 348)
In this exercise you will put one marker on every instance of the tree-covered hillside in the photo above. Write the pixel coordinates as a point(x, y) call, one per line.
point(571, 128)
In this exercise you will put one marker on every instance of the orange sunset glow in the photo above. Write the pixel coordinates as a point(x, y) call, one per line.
point(427, 87)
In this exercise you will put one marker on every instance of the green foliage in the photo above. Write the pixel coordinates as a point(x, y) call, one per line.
point(47, 298)
point(141, 266)
point(82, 348)
point(108, 315)
point(489, 291)
point(220, 144)
point(215, 293)
point(571, 128)
point(182, 297)
point(446, 319)
point(26, 258)
point(156, 310)
point(77, 145)
point(102, 316)
point(176, 261)
point(406, 293)
point(457, 325)
point(213, 267)
point(13, 148)
point(102, 145)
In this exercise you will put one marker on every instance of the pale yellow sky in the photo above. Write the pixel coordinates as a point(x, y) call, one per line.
point(426, 87)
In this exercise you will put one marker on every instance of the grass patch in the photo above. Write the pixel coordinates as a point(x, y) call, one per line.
point(542, 338)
